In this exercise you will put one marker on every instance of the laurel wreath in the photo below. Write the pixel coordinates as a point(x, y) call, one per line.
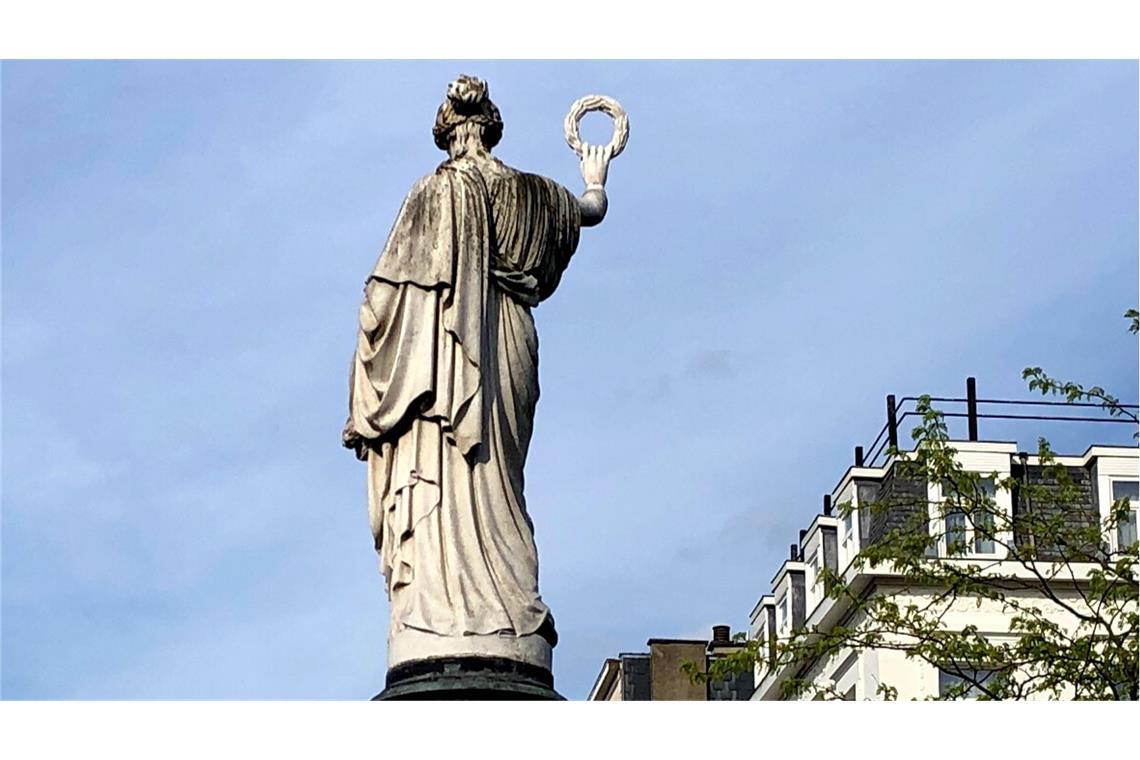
point(609, 106)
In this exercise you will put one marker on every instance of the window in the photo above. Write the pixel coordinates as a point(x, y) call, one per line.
point(977, 532)
point(983, 533)
point(813, 563)
point(963, 683)
point(984, 517)
point(955, 532)
point(782, 611)
point(866, 494)
point(1126, 529)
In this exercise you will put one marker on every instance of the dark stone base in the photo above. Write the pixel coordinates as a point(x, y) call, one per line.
point(468, 678)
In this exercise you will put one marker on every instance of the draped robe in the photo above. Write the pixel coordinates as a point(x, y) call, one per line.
point(443, 391)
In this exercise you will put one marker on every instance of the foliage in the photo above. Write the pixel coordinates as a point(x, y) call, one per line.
point(1067, 590)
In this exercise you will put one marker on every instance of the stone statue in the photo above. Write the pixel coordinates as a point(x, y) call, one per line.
point(443, 389)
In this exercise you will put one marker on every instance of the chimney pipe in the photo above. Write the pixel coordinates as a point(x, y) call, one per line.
point(793, 552)
point(721, 634)
point(827, 505)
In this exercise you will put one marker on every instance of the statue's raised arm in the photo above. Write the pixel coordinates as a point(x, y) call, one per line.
point(442, 397)
point(595, 159)
point(595, 166)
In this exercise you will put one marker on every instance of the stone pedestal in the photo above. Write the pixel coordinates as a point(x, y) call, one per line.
point(468, 678)
point(408, 645)
point(424, 665)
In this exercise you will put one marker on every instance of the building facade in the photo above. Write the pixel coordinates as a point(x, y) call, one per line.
point(798, 603)
point(658, 674)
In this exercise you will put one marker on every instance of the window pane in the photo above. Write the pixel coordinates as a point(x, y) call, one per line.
point(983, 529)
point(946, 681)
point(955, 532)
point(951, 680)
point(1129, 488)
point(1126, 531)
point(866, 494)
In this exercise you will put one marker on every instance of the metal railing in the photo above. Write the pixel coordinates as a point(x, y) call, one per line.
point(874, 454)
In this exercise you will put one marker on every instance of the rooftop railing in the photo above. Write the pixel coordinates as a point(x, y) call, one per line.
point(976, 409)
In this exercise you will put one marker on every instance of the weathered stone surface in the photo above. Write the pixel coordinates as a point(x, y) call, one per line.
point(443, 391)
point(669, 682)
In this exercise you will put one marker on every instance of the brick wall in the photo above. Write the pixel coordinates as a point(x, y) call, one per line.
point(635, 677)
point(901, 502)
point(739, 688)
point(1084, 513)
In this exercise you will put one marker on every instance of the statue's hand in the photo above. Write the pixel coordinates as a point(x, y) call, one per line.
point(595, 165)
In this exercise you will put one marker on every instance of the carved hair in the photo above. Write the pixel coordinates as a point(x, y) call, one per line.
point(468, 101)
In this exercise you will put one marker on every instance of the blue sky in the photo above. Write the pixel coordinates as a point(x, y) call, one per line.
point(184, 245)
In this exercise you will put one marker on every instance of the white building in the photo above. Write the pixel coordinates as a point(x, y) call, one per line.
point(798, 604)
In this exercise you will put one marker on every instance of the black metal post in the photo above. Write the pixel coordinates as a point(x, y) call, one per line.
point(858, 456)
point(892, 422)
point(972, 407)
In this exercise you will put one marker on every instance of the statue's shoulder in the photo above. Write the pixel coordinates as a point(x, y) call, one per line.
point(431, 188)
point(530, 177)
point(419, 188)
point(504, 172)
point(436, 179)
point(490, 174)
point(486, 169)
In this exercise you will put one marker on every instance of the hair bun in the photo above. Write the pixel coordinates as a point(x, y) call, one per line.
point(467, 93)
point(468, 101)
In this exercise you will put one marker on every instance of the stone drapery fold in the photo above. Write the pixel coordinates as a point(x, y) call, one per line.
point(443, 390)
